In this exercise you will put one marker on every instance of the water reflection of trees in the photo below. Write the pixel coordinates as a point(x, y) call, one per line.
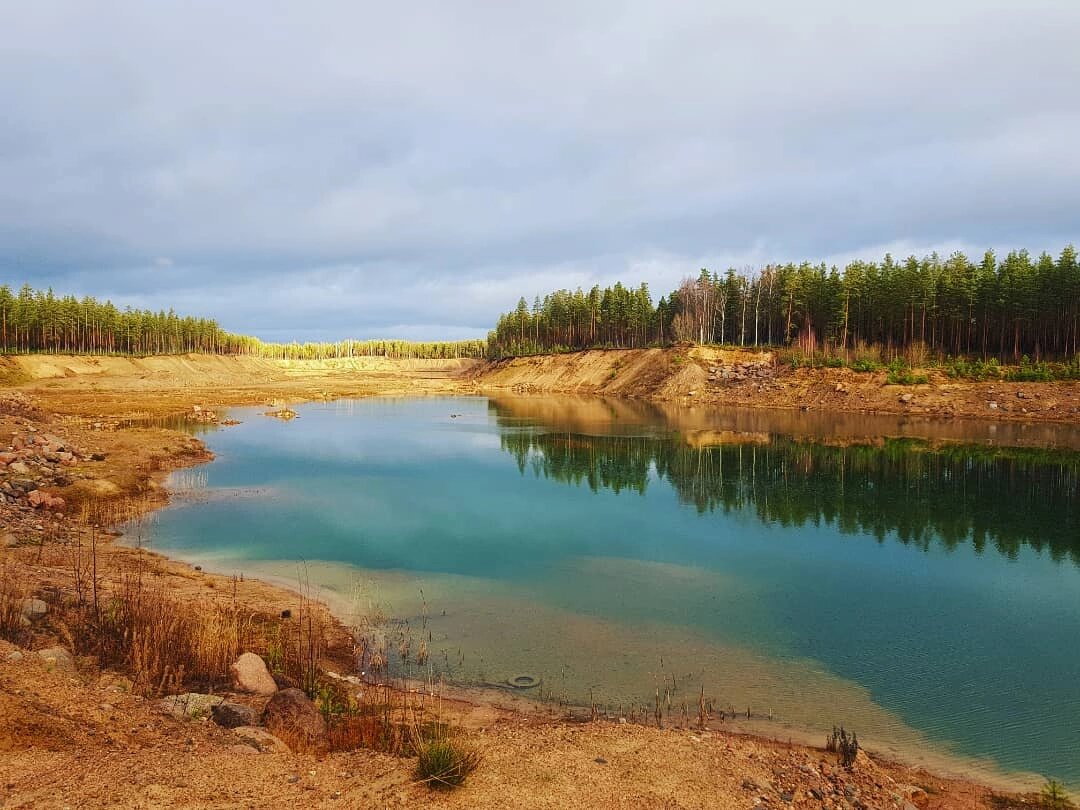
point(1004, 498)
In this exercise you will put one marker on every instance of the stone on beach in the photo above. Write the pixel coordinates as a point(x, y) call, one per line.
point(291, 714)
point(249, 674)
point(233, 715)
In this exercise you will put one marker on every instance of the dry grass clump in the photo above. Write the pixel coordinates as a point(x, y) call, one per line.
point(444, 760)
point(162, 642)
point(13, 591)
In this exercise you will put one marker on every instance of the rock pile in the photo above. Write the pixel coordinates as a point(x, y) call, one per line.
point(739, 372)
point(201, 415)
point(31, 463)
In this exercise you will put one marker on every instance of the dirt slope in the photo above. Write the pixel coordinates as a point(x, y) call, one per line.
point(704, 375)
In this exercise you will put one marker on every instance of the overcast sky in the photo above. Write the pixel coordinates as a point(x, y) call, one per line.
point(323, 170)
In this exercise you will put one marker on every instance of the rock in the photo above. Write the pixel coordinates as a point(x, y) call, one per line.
point(13, 656)
point(19, 468)
point(34, 609)
point(232, 715)
point(7, 539)
point(912, 793)
point(992, 406)
point(283, 681)
point(291, 714)
point(261, 740)
point(192, 705)
point(57, 658)
point(249, 674)
point(39, 499)
point(906, 398)
point(1021, 395)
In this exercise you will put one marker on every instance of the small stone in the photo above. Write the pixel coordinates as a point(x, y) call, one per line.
point(233, 715)
point(600, 761)
point(993, 406)
point(261, 739)
point(57, 658)
point(34, 610)
point(906, 398)
point(249, 674)
point(13, 656)
point(191, 705)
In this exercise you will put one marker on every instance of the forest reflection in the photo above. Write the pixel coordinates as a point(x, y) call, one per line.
point(918, 491)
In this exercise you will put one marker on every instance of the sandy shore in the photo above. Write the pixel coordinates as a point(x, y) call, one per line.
point(84, 739)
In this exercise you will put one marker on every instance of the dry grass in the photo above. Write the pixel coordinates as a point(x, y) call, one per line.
point(160, 641)
point(13, 590)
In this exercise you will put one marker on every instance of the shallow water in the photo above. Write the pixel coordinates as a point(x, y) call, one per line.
point(923, 591)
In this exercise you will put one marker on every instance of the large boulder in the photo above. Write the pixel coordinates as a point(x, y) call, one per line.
point(290, 715)
point(232, 715)
point(249, 674)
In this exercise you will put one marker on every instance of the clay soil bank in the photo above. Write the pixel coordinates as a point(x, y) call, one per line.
point(84, 739)
point(712, 376)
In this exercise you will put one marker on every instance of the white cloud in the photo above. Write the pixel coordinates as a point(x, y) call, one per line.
point(420, 167)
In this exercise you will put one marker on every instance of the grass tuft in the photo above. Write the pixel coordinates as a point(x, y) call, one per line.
point(444, 761)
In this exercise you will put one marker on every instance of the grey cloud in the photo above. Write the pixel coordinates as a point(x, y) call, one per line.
point(367, 167)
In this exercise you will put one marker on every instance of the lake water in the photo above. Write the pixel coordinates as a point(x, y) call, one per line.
point(922, 589)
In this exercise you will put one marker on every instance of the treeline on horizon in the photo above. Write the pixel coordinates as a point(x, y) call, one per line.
point(1004, 308)
point(36, 321)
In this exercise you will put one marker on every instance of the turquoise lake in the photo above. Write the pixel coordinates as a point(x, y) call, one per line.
point(918, 582)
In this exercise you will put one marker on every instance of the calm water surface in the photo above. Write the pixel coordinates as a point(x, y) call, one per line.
point(924, 593)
